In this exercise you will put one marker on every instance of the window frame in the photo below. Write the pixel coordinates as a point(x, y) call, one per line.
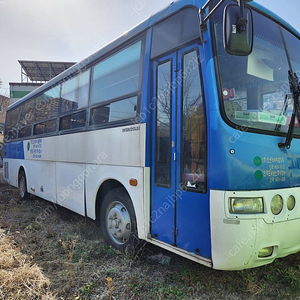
point(17, 126)
point(217, 69)
point(14, 127)
point(76, 76)
point(117, 123)
point(163, 26)
point(168, 180)
point(138, 92)
point(71, 129)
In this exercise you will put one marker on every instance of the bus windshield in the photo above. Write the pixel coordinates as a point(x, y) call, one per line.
point(255, 88)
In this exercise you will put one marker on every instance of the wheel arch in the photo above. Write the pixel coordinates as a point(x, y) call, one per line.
point(23, 187)
point(109, 178)
point(22, 169)
point(104, 188)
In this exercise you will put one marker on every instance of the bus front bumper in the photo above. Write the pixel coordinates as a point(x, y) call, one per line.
point(248, 241)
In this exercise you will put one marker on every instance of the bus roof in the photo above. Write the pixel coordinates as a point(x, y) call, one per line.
point(157, 17)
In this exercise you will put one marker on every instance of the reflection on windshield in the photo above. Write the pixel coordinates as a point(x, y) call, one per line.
point(256, 92)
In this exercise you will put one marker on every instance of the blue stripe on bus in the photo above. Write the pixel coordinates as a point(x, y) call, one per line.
point(14, 150)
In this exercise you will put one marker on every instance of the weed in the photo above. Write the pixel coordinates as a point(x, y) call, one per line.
point(250, 280)
point(143, 288)
point(93, 261)
point(88, 289)
point(110, 287)
point(93, 250)
point(290, 277)
point(172, 292)
point(187, 275)
point(69, 251)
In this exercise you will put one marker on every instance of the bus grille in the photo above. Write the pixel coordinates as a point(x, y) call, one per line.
point(6, 175)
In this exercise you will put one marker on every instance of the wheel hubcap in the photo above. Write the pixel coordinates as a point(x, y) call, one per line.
point(118, 223)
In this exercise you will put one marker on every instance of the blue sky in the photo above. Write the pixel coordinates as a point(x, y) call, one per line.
point(70, 30)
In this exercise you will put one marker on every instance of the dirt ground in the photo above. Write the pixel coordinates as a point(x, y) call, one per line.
point(69, 251)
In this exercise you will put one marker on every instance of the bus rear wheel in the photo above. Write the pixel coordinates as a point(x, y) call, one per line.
point(117, 220)
point(23, 186)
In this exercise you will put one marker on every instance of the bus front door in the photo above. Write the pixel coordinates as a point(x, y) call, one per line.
point(179, 198)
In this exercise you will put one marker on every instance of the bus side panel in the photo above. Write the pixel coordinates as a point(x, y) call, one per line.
point(14, 150)
point(120, 146)
point(11, 169)
point(114, 146)
point(117, 154)
point(40, 176)
point(70, 181)
point(13, 157)
point(97, 175)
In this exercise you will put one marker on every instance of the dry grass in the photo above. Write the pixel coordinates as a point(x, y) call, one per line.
point(99, 272)
point(19, 277)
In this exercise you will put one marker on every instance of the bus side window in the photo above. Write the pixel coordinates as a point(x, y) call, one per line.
point(27, 112)
point(175, 31)
point(125, 109)
point(47, 105)
point(12, 124)
point(75, 92)
point(72, 121)
point(118, 75)
point(99, 115)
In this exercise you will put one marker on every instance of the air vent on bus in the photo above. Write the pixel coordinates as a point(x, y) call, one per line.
point(6, 175)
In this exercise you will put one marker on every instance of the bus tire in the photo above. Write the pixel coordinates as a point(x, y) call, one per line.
point(23, 186)
point(117, 220)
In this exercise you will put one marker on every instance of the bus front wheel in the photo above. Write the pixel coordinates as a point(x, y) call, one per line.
point(23, 186)
point(117, 220)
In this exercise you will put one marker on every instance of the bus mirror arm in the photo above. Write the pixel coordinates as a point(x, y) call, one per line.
point(242, 22)
point(204, 17)
point(237, 26)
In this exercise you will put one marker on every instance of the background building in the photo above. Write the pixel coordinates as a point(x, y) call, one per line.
point(4, 102)
point(33, 75)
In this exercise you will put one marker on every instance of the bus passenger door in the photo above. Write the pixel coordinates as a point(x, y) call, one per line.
point(179, 198)
point(192, 202)
point(163, 150)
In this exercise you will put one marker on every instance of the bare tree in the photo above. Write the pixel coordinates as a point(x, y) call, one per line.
point(4, 101)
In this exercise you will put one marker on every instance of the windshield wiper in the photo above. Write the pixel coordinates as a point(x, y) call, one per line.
point(295, 89)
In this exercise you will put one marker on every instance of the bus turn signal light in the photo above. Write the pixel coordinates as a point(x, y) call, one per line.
point(133, 182)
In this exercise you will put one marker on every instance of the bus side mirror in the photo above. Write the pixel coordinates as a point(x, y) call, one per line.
point(238, 30)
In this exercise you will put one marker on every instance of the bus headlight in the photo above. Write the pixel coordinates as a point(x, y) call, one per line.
point(276, 204)
point(246, 205)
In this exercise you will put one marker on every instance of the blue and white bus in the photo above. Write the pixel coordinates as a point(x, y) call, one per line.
point(183, 132)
